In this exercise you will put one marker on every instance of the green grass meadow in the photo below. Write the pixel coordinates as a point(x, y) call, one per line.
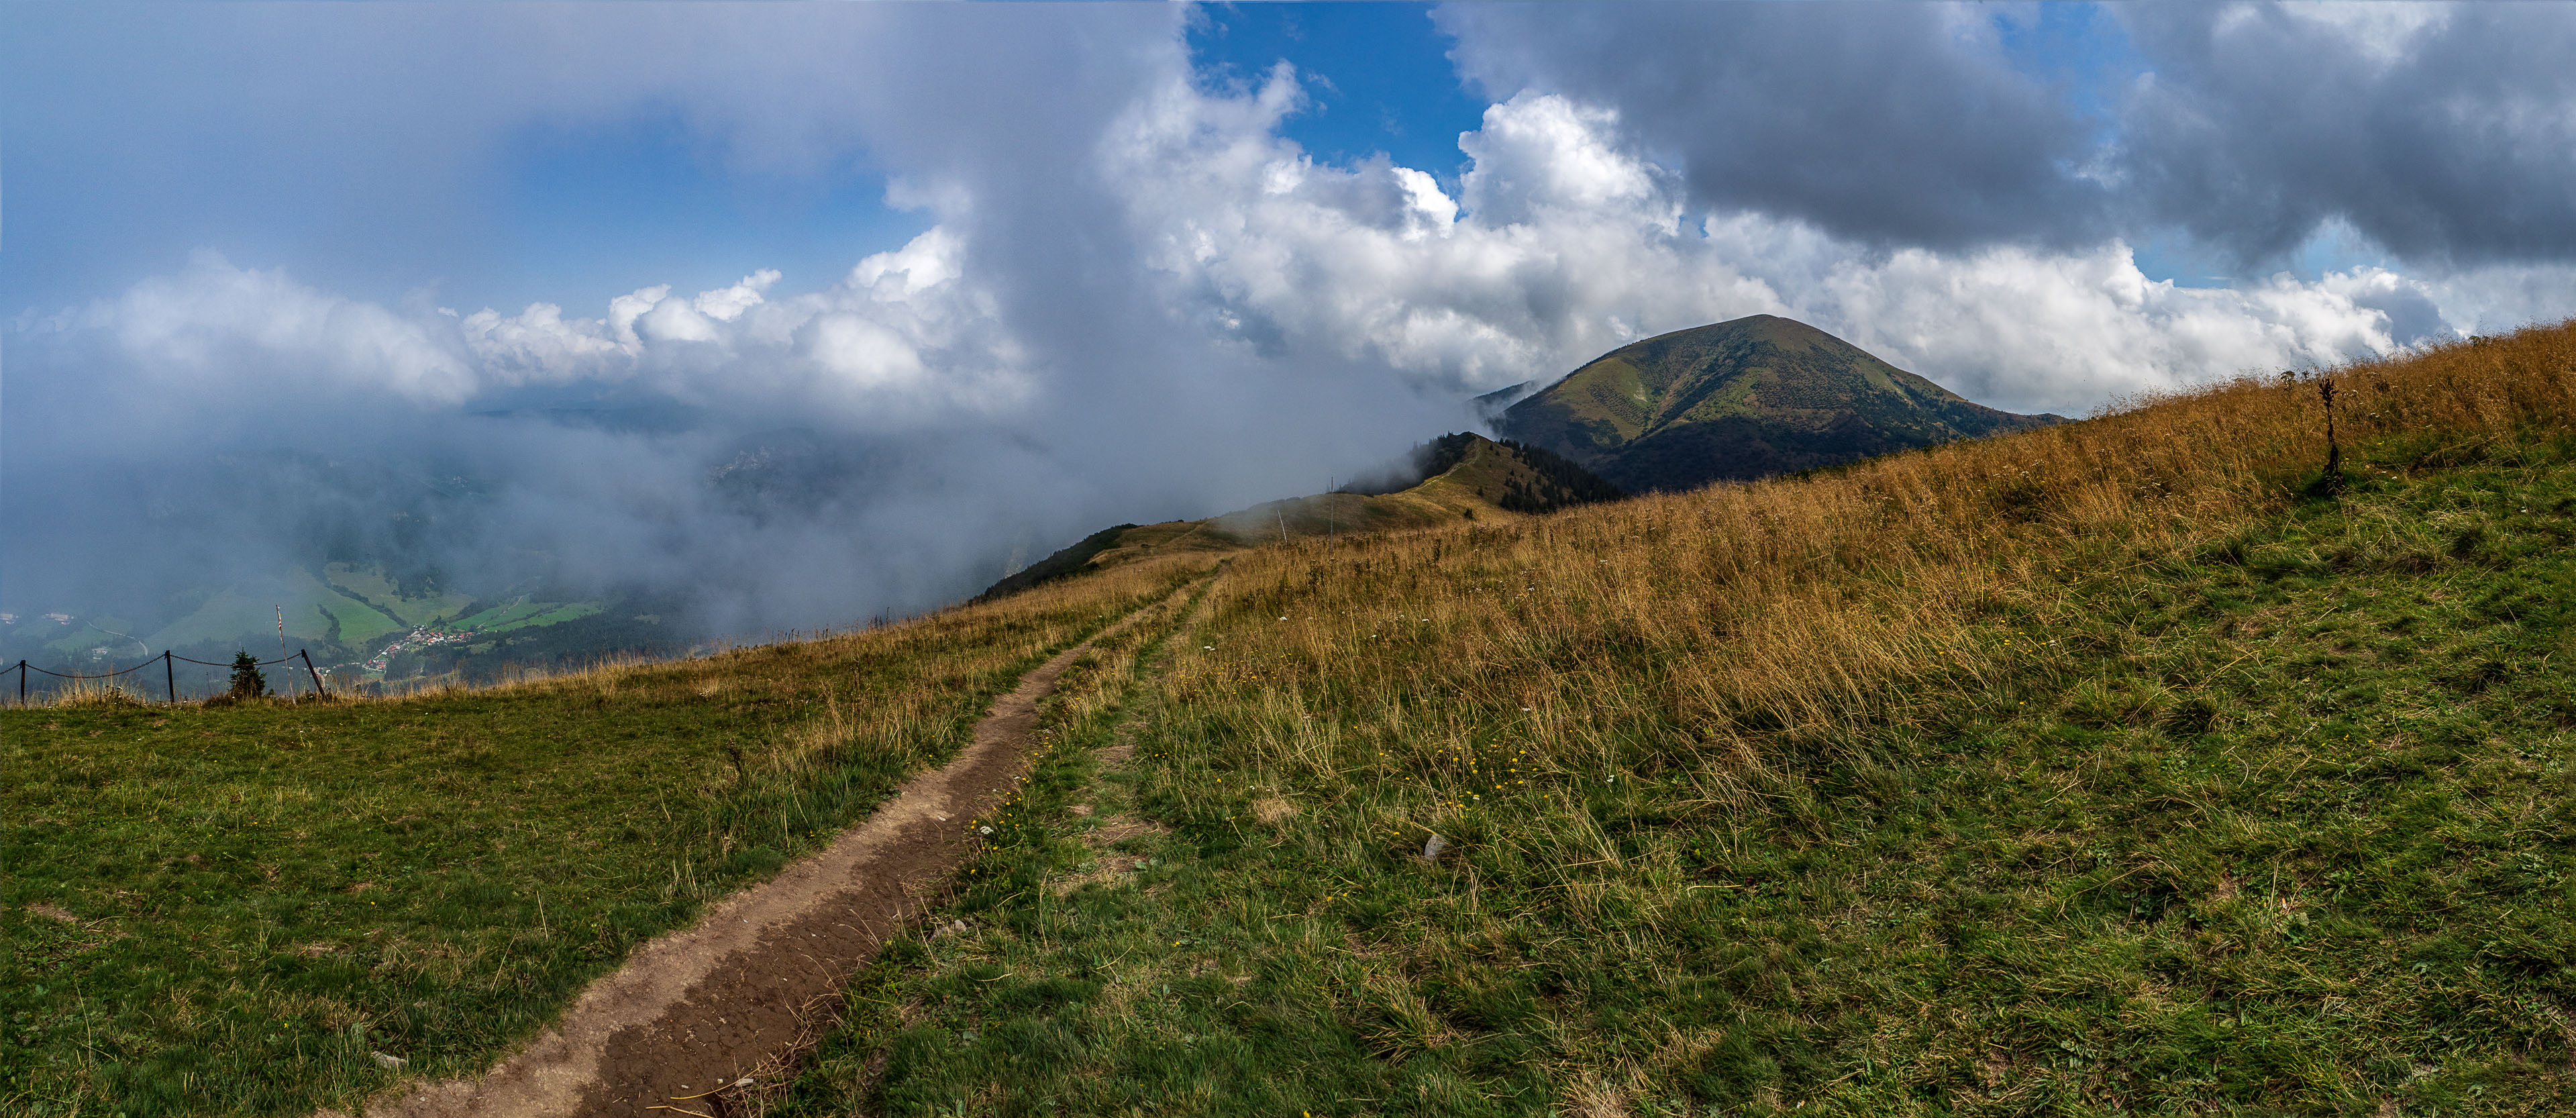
point(236, 909)
point(2280, 823)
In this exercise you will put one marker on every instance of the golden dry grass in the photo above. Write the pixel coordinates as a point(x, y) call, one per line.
point(1707, 641)
point(1833, 594)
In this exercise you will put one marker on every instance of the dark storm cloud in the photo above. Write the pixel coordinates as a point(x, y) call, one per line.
point(1887, 123)
point(2445, 132)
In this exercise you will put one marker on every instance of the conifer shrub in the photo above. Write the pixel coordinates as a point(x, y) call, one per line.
point(248, 681)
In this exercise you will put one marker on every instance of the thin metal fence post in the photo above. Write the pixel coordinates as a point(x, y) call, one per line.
point(22, 683)
point(169, 677)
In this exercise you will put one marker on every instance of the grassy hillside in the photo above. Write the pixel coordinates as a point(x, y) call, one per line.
point(373, 588)
point(1070, 561)
point(233, 910)
point(359, 627)
point(1476, 479)
point(2114, 767)
point(1742, 399)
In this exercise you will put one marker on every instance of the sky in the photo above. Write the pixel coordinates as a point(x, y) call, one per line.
point(959, 284)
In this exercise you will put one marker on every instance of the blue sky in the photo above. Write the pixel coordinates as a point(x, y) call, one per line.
point(620, 205)
point(570, 201)
point(1378, 75)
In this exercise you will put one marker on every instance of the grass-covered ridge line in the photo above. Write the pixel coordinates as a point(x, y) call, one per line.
point(1747, 398)
point(1450, 480)
point(2116, 767)
point(233, 910)
point(1071, 560)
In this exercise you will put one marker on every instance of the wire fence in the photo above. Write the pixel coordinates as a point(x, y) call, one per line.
point(169, 662)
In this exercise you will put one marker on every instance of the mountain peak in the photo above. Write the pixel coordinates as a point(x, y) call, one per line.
point(1741, 399)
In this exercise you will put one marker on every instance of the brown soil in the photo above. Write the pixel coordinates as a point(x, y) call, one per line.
point(761, 973)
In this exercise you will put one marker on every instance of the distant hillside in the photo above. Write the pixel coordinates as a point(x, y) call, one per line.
point(1489, 408)
point(360, 624)
point(1071, 560)
point(1516, 477)
point(1740, 400)
point(1449, 480)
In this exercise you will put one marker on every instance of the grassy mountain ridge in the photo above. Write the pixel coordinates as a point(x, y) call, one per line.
point(1070, 561)
point(1739, 400)
point(1451, 480)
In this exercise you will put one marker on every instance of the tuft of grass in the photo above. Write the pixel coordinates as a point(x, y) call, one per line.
point(2107, 768)
point(235, 909)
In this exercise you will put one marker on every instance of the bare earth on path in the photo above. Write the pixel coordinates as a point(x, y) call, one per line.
point(695, 1010)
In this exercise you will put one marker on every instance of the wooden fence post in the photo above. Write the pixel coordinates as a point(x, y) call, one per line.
point(317, 676)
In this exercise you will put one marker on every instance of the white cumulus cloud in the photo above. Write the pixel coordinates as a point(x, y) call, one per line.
point(214, 326)
point(1563, 244)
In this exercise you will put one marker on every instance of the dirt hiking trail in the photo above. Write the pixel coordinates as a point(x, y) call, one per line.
point(760, 974)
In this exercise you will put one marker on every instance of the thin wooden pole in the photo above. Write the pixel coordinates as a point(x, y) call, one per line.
point(317, 676)
point(169, 677)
